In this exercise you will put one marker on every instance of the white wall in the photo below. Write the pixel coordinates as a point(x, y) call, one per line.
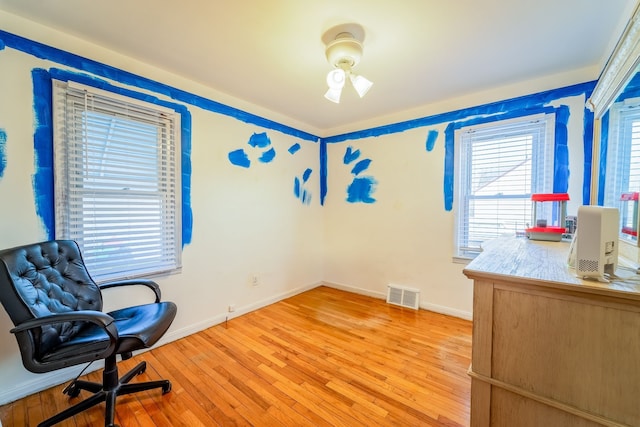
point(406, 236)
point(247, 221)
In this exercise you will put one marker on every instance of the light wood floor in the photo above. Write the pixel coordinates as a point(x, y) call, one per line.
point(321, 358)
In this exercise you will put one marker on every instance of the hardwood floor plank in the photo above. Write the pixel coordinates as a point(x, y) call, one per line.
point(321, 358)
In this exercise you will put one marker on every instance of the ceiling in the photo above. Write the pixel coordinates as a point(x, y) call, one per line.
point(417, 52)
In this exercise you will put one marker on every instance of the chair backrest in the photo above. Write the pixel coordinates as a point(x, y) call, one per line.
point(41, 279)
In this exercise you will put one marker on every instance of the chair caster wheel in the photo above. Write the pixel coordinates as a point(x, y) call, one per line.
point(72, 390)
point(166, 388)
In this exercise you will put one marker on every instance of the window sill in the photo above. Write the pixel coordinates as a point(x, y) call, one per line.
point(462, 260)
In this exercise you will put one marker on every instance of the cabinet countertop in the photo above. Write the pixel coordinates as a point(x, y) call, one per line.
point(541, 263)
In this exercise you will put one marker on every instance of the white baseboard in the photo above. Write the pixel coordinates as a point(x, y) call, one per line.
point(44, 381)
point(460, 314)
point(423, 304)
point(216, 320)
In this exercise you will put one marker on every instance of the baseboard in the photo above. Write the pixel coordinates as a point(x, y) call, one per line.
point(52, 379)
point(460, 314)
point(43, 382)
point(423, 305)
point(355, 290)
point(216, 320)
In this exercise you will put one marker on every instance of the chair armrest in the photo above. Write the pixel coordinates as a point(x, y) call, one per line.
point(135, 282)
point(99, 318)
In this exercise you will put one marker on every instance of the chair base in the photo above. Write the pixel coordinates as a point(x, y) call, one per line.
point(111, 387)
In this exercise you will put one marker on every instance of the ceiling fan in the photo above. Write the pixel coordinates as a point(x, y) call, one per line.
point(344, 53)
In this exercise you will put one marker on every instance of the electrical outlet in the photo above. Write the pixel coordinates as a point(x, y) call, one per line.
point(232, 308)
point(254, 280)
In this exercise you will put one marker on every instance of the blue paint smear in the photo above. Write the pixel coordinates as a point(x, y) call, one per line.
point(306, 197)
point(43, 144)
point(1, 44)
point(322, 148)
point(296, 187)
point(350, 155)
point(268, 156)
point(299, 191)
point(239, 158)
point(561, 160)
point(43, 178)
point(306, 175)
point(432, 136)
point(294, 148)
point(259, 140)
point(360, 190)
point(602, 167)
point(3, 151)
point(46, 52)
point(448, 166)
point(588, 156)
point(361, 166)
point(185, 146)
point(631, 90)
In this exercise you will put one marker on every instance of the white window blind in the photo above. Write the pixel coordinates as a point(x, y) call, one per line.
point(623, 157)
point(499, 165)
point(117, 187)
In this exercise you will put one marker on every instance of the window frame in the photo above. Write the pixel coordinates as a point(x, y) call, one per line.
point(542, 171)
point(171, 128)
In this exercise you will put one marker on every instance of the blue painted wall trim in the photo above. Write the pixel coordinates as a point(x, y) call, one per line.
point(523, 102)
point(43, 178)
point(43, 143)
point(561, 155)
point(323, 170)
point(3, 151)
point(46, 52)
point(602, 167)
point(588, 157)
point(42, 51)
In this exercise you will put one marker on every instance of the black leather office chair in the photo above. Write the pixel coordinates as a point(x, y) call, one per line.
point(57, 311)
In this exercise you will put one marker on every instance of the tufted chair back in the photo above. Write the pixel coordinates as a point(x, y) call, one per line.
point(41, 279)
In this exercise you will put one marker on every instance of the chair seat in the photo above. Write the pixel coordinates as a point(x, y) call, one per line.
point(138, 327)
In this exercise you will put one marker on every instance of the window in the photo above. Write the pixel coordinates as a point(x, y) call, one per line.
point(117, 181)
point(623, 162)
point(499, 165)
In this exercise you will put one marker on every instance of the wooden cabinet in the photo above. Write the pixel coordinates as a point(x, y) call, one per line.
point(549, 349)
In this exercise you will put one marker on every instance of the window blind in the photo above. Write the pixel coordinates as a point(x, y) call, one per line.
point(623, 152)
point(117, 190)
point(500, 165)
point(623, 159)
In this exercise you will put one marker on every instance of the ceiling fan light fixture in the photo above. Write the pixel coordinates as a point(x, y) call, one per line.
point(336, 78)
point(360, 84)
point(345, 49)
point(343, 53)
point(333, 95)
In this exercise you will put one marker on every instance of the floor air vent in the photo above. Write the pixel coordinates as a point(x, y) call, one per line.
point(405, 297)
